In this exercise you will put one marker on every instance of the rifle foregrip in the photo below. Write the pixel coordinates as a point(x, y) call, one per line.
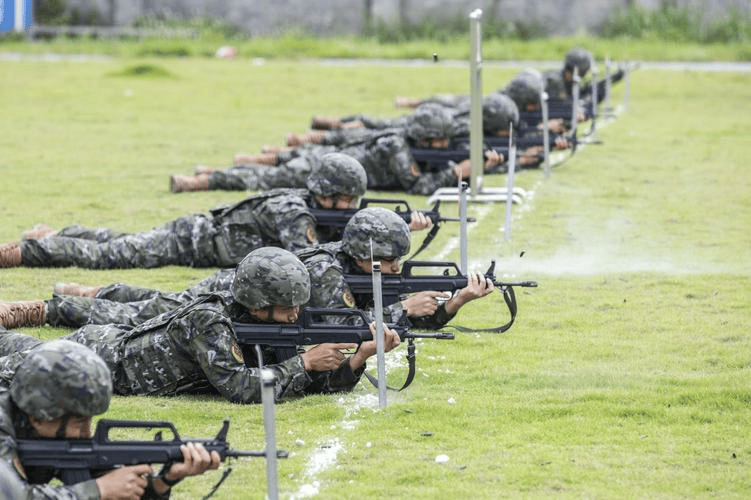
point(74, 476)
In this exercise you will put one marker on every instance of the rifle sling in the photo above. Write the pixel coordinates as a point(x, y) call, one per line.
point(428, 238)
point(510, 298)
point(410, 374)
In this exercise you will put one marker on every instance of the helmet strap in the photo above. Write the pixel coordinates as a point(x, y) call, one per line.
point(60, 434)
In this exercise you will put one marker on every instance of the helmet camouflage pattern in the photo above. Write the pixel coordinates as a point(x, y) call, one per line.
point(525, 88)
point(388, 232)
point(430, 121)
point(498, 110)
point(60, 378)
point(271, 276)
point(580, 59)
point(338, 174)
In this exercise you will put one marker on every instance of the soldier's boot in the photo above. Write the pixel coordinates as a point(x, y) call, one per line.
point(21, 314)
point(185, 183)
point(312, 137)
point(203, 169)
point(325, 123)
point(38, 231)
point(276, 149)
point(407, 102)
point(10, 254)
point(263, 159)
point(76, 289)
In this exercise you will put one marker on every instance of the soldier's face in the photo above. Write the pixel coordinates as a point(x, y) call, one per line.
point(281, 314)
point(388, 266)
point(340, 202)
point(76, 428)
point(442, 143)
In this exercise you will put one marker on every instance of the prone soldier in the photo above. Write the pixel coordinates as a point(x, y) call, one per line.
point(53, 391)
point(220, 238)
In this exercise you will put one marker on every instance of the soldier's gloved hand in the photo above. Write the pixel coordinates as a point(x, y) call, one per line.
point(423, 303)
point(196, 461)
point(419, 221)
point(492, 159)
point(477, 286)
point(324, 357)
point(125, 483)
point(367, 349)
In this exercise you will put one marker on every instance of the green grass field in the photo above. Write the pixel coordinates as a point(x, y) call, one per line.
point(627, 372)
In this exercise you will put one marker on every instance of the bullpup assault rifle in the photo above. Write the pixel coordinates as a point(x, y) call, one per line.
point(312, 328)
point(77, 459)
point(450, 279)
point(339, 218)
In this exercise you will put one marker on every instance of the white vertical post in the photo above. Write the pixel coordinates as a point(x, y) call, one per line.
point(545, 131)
point(477, 162)
point(269, 423)
point(594, 97)
point(575, 101)
point(627, 90)
point(380, 341)
point(20, 9)
point(608, 107)
point(463, 257)
point(510, 186)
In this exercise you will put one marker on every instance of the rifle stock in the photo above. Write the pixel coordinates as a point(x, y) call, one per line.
point(77, 458)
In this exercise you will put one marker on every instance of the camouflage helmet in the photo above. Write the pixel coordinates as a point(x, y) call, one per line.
point(498, 110)
point(338, 174)
point(554, 85)
point(271, 276)
point(430, 121)
point(525, 88)
point(578, 58)
point(388, 232)
point(60, 378)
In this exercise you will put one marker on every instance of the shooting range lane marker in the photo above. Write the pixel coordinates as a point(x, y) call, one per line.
point(326, 452)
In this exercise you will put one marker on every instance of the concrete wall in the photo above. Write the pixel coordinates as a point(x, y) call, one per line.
point(349, 16)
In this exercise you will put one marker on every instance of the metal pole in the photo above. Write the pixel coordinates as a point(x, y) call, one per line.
point(463, 261)
point(380, 341)
point(269, 423)
point(594, 97)
point(575, 102)
point(545, 132)
point(608, 107)
point(511, 168)
point(476, 159)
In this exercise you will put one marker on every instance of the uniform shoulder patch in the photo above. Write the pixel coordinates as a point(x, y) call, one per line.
point(237, 354)
point(311, 234)
point(348, 299)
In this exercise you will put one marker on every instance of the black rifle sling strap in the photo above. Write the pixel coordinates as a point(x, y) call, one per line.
point(410, 374)
point(428, 238)
point(510, 298)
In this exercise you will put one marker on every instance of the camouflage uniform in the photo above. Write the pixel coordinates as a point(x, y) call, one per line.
point(125, 304)
point(51, 385)
point(194, 349)
point(329, 263)
point(14, 425)
point(221, 238)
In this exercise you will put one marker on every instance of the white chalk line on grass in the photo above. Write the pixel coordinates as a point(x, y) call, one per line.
point(327, 451)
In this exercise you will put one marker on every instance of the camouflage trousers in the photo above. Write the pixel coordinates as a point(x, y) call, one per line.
point(187, 241)
point(292, 172)
point(124, 304)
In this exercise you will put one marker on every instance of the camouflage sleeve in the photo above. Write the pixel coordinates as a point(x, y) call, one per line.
point(296, 227)
point(214, 347)
point(86, 490)
point(343, 379)
point(428, 182)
